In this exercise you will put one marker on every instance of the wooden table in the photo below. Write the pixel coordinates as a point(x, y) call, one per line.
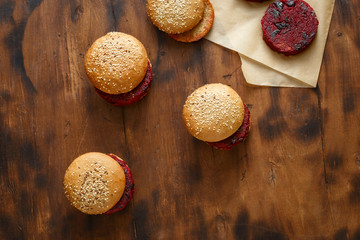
point(296, 177)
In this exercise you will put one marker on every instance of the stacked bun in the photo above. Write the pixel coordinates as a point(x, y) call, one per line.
point(183, 20)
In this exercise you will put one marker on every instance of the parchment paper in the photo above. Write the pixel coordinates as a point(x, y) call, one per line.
point(237, 26)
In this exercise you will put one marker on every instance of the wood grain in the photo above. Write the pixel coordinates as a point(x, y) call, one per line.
point(297, 176)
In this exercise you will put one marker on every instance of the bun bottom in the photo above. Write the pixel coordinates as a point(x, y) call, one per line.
point(238, 137)
point(129, 187)
point(135, 95)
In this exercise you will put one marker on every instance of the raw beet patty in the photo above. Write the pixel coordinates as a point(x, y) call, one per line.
point(238, 136)
point(125, 99)
point(129, 187)
point(289, 26)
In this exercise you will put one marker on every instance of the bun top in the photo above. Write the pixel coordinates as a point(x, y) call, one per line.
point(213, 112)
point(116, 63)
point(94, 183)
point(175, 16)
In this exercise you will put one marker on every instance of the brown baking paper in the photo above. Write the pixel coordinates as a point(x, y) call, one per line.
point(237, 26)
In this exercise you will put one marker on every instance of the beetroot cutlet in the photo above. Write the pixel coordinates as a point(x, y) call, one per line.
point(289, 26)
point(129, 187)
point(238, 137)
point(135, 95)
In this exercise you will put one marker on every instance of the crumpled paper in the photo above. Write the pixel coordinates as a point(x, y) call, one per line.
point(237, 26)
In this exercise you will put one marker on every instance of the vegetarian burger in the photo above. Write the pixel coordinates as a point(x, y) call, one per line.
point(216, 114)
point(97, 183)
point(118, 66)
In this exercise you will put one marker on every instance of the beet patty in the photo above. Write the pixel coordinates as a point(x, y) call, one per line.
point(289, 26)
point(129, 187)
point(238, 136)
point(135, 95)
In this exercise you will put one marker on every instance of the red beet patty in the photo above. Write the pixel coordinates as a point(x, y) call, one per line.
point(289, 26)
point(129, 187)
point(238, 136)
point(135, 95)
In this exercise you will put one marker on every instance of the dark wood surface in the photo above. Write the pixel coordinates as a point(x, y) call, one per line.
point(296, 177)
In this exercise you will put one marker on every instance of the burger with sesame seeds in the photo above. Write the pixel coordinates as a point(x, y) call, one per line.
point(183, 20)
point(97, 183)
point(216, 114)
point(119, 68)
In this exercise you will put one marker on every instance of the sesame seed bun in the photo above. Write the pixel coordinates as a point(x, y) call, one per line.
point(175, 16)
point(116, 63)
point(201, 29)
point(94, 182)
point(213, 112)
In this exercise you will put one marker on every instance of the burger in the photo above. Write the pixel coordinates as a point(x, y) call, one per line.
point(118, 67)
point(183, 20)
point(97, 183)
point(216, 114)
